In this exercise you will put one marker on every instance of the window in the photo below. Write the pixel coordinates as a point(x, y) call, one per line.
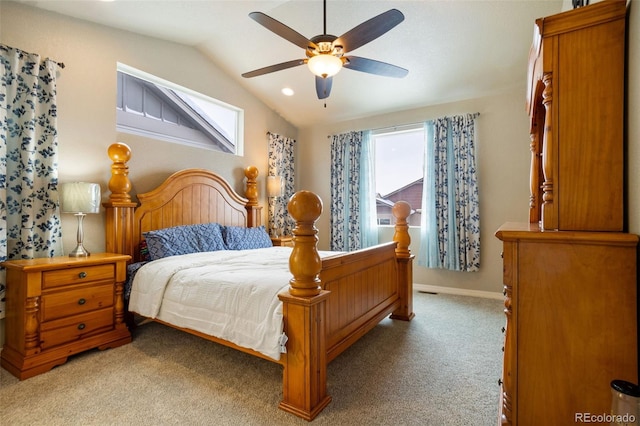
point(399, 170)
point(149, 106)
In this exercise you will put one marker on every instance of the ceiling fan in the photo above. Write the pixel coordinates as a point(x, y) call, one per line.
point(325, 53)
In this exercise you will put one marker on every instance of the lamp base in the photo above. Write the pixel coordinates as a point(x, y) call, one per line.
point(79, 251)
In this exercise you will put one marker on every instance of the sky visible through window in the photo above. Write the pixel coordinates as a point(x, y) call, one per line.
point(399, 159)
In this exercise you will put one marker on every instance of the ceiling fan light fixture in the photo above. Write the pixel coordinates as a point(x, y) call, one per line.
point(324, 65)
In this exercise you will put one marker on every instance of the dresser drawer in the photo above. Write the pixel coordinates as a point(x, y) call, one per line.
point(69, 329)
point(79, 275)
point(72, 302)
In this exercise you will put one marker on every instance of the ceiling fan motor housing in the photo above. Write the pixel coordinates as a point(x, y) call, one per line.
point(323, 45)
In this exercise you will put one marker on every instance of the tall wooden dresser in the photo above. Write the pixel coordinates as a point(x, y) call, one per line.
point(570, 273)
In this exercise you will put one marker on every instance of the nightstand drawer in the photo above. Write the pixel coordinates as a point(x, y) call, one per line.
point(65, 330)
point(84, 299)
point(61, 277)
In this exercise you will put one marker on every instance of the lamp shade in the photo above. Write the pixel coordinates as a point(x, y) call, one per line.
point(274, 186)
point(325, 65)
point(80, 197)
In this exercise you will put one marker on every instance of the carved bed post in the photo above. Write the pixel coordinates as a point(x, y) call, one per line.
point(305, 363)
point(119, 209)
point(401, 211)
point(251, 192)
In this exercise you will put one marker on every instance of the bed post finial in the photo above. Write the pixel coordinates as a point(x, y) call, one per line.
point(305, 264)
point(119, 209)
point(401, 211)
point(119, 184)
point(251, 173)
point(251, 193)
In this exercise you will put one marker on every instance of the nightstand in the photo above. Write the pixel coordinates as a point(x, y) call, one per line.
point(283, 241)
point(60, 306)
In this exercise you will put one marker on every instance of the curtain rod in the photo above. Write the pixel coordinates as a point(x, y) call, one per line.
point(60, 64)
point(401, 126)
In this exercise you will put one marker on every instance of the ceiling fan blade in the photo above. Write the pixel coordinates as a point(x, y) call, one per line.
point(369, 30)
point(273, 68)
point(282, 30)
point(371, 66)
point(323, 87)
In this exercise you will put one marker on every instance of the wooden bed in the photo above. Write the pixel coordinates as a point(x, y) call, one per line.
point(330, 303)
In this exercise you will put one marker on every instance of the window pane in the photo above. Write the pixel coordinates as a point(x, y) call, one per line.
point(399, 170)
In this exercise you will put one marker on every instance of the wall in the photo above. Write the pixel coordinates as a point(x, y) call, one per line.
point(503, 168)
point(87, 99)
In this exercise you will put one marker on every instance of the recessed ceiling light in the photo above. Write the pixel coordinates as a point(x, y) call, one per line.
point(287, 91)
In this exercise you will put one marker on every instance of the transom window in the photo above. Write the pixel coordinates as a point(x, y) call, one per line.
point(151, 107)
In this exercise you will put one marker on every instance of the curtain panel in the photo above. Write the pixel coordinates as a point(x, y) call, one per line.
point(281, 162)
point(353, 204)
point(450, 228)
point(29, 219)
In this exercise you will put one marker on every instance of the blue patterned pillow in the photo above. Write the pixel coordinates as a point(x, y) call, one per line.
point(241, 238)
point(184, 240)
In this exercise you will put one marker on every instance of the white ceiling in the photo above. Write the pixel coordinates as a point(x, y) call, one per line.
point(453, 49)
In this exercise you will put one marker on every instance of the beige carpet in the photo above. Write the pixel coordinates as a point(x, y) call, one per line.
point(440, 369)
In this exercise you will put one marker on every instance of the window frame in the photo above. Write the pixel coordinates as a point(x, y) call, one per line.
point(126, 122)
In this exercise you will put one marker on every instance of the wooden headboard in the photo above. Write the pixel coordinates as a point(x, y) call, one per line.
point(186, 197)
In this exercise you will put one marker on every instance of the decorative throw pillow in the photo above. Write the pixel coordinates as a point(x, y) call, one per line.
point(241, 238)
point(184, 239)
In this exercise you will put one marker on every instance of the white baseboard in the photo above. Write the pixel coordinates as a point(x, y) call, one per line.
point(457, 291)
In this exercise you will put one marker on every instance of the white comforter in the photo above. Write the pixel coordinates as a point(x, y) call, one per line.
point(231, 295)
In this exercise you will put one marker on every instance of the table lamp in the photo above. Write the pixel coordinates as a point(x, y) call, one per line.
point(80, 198)
point(274, 190)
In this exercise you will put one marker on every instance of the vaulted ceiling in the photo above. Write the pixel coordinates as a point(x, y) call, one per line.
point(453, 49)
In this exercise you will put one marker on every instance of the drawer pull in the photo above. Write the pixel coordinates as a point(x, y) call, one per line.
point(500, 382)
point(82, 301)
point(503, 329)
point(81, 326)
point(82, 274)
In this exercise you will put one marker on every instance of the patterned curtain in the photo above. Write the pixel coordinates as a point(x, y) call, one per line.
point(29, 219)
point(281, 154)
point(353, 203)
point(450, 228)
